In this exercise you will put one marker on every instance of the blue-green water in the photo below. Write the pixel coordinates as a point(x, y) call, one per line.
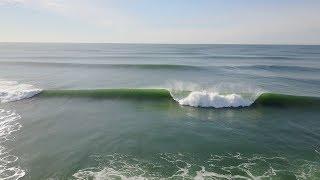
point(133, 111)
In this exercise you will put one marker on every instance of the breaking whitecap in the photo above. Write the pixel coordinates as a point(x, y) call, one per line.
point(14, 91)
point(213, 99)
point(219, 96)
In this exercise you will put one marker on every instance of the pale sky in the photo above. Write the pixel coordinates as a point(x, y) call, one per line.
point(161, 21)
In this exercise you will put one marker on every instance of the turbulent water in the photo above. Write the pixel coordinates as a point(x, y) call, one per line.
point(139, 111)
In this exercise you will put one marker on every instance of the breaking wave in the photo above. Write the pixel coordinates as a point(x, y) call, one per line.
point(192, 98)
point(213, 99)
point(13, 91)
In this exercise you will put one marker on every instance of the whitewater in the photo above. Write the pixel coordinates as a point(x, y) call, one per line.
point(13, 91)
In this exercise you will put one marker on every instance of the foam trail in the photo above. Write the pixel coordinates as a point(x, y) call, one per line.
point(185, 166)
point(13, 91)
point(8, 125)
point(213, 99)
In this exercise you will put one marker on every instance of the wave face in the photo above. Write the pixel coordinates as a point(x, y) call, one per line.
point(272, 99)
point(13, 91)
point(110, 93)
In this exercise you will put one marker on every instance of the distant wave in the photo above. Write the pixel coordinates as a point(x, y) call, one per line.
point(163, 66)
point(105, 65)
point(162, 55)
point(252, 57)
point(280, 67)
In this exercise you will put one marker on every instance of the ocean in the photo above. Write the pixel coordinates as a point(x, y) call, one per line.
point(159, 111)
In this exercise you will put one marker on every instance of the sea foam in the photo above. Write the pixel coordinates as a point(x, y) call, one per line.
point(188, 166)
point(213, 99)
point(9, 123)
point(14, 91)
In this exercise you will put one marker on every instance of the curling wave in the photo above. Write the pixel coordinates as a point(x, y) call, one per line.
point(192, 98)
point(13, 91)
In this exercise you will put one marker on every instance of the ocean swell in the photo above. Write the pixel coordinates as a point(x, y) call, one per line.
point(13, 91)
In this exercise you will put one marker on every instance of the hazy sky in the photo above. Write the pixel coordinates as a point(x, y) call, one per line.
point(161, 21)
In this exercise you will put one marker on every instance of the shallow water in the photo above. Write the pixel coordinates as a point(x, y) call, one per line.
point(72, 137)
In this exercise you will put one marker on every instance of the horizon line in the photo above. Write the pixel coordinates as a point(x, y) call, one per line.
point(151, 43)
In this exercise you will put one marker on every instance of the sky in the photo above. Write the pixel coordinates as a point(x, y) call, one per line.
point(161, 21)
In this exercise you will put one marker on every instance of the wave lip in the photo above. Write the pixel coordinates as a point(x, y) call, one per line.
point(213, 99)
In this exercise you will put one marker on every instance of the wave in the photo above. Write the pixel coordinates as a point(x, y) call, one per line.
point(162, 66)
point(280, 67)
point(13, 91)
point(163, 55)
point(105, 65)
point(252, 57)
point(110, 93)
point(194, 98)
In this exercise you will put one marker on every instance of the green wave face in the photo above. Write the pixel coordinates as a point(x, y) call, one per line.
point(266, 99)
point(110, 93)
point(271, 99)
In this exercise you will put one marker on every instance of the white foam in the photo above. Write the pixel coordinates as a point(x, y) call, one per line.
point(9, 124)
point(213, 99)
point(106, 173)
point(13, 91)
point(187, 166)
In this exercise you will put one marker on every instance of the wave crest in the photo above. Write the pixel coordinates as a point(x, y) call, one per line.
point(13, 91)
point(217, 97)
point(212, 99)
